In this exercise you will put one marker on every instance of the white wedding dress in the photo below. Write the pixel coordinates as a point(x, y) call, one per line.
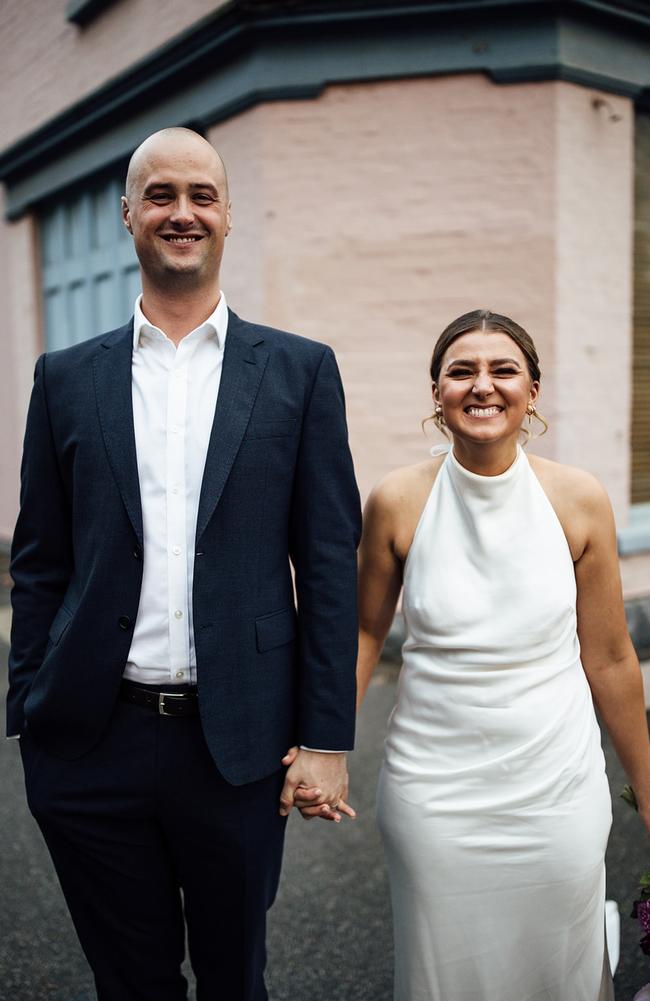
point(493, 803)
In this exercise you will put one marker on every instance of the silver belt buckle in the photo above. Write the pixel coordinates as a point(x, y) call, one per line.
point(167, 695)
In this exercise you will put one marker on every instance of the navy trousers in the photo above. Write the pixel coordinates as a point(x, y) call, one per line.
point(147, 837)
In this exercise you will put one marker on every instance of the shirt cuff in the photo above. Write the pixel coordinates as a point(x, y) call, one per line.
point(319, 750)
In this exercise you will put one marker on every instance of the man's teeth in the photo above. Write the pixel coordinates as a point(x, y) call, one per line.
point(483, 411)
point(182, 239)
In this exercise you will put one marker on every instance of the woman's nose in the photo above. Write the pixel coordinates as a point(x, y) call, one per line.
point(483, 384)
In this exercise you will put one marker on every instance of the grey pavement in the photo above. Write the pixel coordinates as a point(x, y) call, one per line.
point(330, 929)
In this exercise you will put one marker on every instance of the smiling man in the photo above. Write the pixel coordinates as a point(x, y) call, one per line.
point(173, 471)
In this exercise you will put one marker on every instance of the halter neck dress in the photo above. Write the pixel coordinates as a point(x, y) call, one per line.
point(493, 803)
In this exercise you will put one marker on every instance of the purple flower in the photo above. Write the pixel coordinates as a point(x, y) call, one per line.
point(643, 915)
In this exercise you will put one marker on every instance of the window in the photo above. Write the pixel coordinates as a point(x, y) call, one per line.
point(89, 268)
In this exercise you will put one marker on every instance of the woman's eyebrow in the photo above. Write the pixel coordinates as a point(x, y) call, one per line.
point(505, 361)
point(460, 361)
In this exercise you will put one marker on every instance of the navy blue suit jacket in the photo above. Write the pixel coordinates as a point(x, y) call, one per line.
point(278, 486)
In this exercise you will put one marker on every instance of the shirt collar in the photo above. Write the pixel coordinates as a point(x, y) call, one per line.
point(216, 323)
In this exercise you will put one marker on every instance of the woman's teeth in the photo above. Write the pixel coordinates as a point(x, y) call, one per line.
point(483, 411)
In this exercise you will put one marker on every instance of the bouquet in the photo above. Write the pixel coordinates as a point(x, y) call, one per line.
point(641, 911)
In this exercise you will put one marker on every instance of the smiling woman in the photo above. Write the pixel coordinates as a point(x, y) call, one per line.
point(493, 802)
point(491, 379)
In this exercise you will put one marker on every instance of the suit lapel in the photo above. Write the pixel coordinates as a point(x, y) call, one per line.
point(244, 362)
point(112, 372)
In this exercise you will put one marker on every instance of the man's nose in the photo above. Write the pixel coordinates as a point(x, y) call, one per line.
point(182, 212)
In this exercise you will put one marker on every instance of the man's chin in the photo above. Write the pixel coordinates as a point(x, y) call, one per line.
point(186, 273)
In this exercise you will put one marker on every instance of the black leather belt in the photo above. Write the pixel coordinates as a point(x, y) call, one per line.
point(165, 703)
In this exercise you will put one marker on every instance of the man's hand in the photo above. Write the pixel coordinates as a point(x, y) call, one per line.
point(317, 784)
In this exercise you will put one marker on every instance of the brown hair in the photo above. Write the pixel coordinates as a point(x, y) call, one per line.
point(483, 319)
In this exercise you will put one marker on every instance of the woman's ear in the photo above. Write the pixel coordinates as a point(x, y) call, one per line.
point(534, 391)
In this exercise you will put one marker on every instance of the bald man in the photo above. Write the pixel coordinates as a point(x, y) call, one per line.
point(174, 470)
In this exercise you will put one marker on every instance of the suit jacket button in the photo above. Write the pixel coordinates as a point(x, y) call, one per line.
point(137, 552)
point(124, 622)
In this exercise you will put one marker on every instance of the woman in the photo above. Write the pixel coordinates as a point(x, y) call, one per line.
point(493, 802)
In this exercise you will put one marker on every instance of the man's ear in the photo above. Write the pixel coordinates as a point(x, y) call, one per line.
point(126, 215)
point(228, 218)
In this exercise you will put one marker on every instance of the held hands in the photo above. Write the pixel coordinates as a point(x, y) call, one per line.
point(317, 784)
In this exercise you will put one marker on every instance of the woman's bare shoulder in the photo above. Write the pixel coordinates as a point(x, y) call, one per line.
point(402, 485)
point(569, 486)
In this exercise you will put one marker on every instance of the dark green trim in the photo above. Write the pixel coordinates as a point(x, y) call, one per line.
point(248, 52)
point(82, 11)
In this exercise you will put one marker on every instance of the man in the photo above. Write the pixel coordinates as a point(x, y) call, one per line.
point(159, 669)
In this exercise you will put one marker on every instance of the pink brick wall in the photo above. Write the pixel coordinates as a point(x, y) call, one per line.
point(594, 170)
point(385, 210)
point(48, 63)
point(376, 214)
point(21, 343)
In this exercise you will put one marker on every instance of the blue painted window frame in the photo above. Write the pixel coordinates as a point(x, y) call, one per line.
point(90, 274)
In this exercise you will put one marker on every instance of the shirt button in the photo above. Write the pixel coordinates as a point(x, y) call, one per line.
point(178, 614)
point(174, 429)
point(174, 490)
point(137, 552)
point(176, 550)
point(180, 674)
point(124, 622)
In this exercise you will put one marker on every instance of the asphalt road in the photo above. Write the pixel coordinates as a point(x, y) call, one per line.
point(330, 930)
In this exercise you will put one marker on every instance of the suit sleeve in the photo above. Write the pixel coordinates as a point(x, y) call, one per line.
point(41, 552)
point(325, 531)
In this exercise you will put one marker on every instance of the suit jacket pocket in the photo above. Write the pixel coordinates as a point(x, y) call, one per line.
point(275, 629)
point(59, 625)
point(272, 429)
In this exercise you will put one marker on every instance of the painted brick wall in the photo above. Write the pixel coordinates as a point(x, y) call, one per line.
point(386, 210)
point(47, 63)
point(379, 212)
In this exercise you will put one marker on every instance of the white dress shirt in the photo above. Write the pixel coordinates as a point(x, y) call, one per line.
point(174, 397)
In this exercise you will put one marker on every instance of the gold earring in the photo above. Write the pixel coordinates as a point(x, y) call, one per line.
point(438, 418)
point(532, 412)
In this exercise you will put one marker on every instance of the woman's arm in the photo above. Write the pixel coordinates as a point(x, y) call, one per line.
point(608, 657)
point(380, 579)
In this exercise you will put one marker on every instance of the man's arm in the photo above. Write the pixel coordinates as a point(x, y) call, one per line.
point(41, 552)
point(324, 534)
